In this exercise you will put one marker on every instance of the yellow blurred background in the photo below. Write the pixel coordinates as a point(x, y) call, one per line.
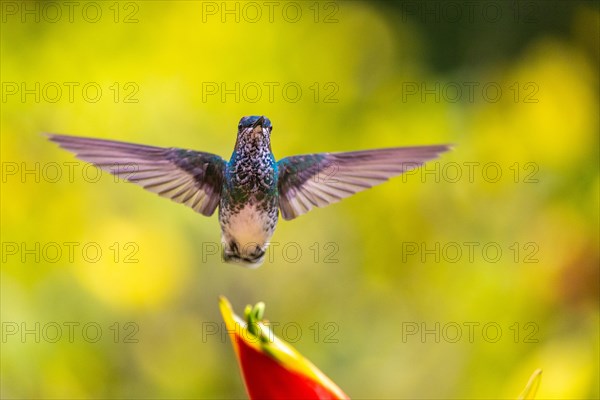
point(454, 281)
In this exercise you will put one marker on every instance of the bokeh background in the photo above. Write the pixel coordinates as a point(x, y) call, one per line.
point(373, 268)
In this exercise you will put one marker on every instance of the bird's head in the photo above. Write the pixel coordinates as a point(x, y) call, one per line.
point(255, 125)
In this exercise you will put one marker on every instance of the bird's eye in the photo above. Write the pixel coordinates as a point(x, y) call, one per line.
point(239, 126)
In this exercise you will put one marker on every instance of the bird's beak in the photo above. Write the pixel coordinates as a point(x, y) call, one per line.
point(259, 122)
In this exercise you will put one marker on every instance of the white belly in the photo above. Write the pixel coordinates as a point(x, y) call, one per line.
point(249, 226)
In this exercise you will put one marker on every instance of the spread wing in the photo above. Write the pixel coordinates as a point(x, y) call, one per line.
point(189, 177)
point(317, 180)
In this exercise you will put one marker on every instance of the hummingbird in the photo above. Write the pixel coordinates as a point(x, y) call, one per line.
point(252, 188)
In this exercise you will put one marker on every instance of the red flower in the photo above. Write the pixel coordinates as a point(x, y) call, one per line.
point(271, 368)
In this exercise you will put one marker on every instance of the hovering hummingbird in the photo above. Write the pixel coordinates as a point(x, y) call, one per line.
point(251, 188)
